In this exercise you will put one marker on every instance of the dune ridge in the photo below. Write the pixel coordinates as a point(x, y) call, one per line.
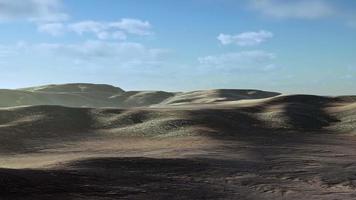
point(101, 95)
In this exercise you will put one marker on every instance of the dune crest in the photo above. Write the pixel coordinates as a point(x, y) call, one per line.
point(101, 95)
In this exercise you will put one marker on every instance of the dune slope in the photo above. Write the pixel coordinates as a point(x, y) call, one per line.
point(96, 95)
point(295, 113)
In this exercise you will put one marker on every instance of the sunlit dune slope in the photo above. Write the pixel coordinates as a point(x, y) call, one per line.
point(96, 95)
point(25, 126)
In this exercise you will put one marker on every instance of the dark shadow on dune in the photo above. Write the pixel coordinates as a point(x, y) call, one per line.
point(299, 113)
point(306, 112)
point(117, 178)
point(30, 129)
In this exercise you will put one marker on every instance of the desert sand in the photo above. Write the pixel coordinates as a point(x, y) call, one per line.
point(86, 141)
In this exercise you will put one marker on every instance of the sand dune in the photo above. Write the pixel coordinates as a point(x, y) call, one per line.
point(216, 144)
point(213, 96)
point(279, 114)
point(92, 95)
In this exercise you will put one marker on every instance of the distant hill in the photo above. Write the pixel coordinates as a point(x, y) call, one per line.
point(101, 95)
point(75, 88)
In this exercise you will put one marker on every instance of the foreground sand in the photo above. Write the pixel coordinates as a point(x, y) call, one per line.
point(293, 147)
point(255, 167)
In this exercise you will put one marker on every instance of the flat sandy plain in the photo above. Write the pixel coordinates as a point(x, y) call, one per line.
point(198, 147)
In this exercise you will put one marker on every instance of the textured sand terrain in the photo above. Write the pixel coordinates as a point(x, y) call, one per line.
point(215, 144)
point(95, 95)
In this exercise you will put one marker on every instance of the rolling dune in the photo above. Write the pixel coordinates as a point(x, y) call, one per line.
point(92, 95)
point(216, 144)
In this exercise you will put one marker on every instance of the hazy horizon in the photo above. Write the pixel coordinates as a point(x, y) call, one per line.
point(284, 46)
point(183, 90)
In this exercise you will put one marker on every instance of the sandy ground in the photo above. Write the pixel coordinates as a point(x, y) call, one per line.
point(282, 166)
point(286, 147)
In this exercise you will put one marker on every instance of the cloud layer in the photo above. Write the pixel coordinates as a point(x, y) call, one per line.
point(49, 18)
point(246, 38)
point(102, 30)
point(32, 10)
point(303, 9)
point(244, 60)
point(94, 53)
point(126, 52)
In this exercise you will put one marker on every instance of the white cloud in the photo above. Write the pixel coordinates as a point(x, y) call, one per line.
point(246, 60)
point(54, 29)
point(48, 16)
point(102, 30)
point(116, 35)
point(90, 53)
point(120, 54)
point(87, 26)
point(32, 10)
point(133, 26)
point(302, 9)
point(246, 38)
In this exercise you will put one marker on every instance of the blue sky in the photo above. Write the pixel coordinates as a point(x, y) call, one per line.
point(290, 46)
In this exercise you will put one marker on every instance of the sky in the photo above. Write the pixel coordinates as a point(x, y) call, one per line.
point(288, 46)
